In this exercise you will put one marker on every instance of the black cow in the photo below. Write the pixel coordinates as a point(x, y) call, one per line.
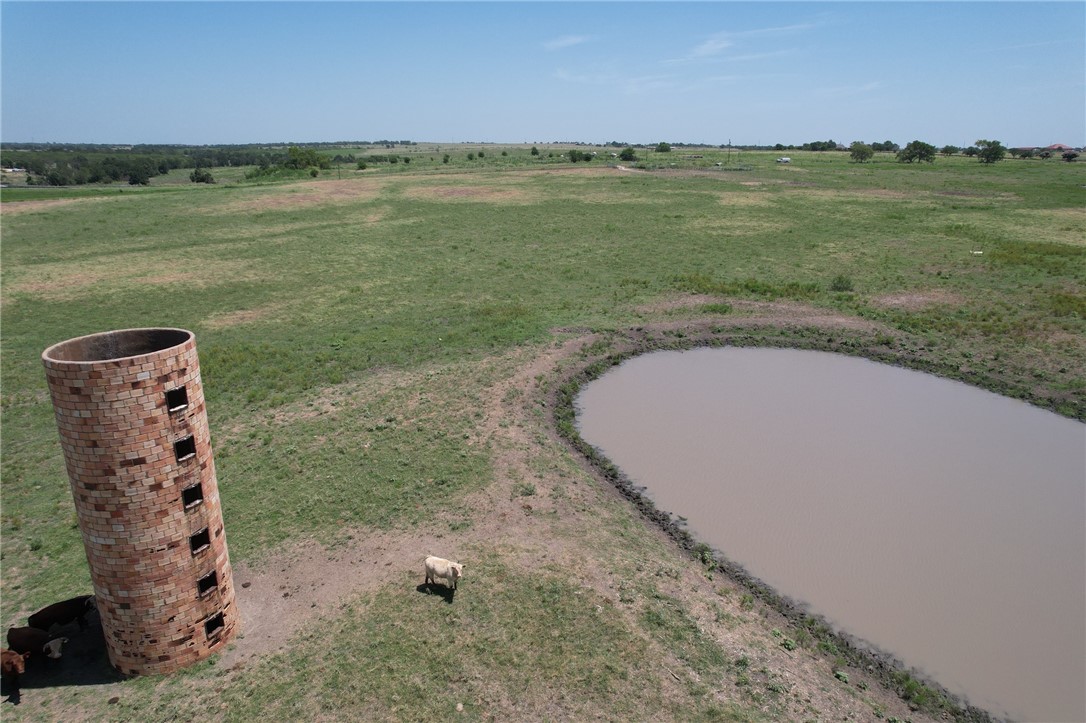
point(62, 613)
point(35, 642)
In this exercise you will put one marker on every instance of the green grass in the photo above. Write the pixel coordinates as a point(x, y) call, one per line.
point(505, 643)
point(345, 338)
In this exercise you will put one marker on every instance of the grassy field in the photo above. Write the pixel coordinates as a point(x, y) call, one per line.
point(378, 349)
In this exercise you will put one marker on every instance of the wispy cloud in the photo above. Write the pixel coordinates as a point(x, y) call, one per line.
point(565, 41)
point(715, 45)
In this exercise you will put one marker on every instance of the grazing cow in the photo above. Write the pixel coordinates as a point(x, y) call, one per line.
point(448, 570)
point(34, 641)
point(62, 613)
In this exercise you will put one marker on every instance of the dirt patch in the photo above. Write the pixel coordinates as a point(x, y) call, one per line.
point(474, 194)
point(309, 193)
point(68, 281)
point(745, 199)
point(15, 208)
point(240, 317)
point(859, 195)
point(917, 301)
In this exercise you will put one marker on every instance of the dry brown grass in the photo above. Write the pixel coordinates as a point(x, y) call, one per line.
point(309, 193)
point(67, 281)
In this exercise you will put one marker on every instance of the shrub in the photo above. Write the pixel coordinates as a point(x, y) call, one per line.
point(314, 172)
point(201, 175)
point(841, 283)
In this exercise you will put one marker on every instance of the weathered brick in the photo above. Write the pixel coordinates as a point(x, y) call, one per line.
point(117, 439)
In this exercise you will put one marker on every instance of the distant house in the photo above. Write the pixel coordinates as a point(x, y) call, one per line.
point(1058, 147)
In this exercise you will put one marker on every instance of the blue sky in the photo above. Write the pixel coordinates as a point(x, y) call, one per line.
point(644, 72)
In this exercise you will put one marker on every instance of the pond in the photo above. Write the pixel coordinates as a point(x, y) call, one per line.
point(940, 522)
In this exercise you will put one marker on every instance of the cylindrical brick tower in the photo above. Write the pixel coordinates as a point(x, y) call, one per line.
point(130, 410)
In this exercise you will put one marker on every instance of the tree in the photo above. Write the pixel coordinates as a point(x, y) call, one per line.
point(829, 145)
point(860, 152)
point(535, 151)
point(886, 146)
point(627, 154)
point(303, 158)
point(949, 150)
point(663, 148)
point(971, 151)
point(1069, 156)
point(917, 151)
point(990, 151)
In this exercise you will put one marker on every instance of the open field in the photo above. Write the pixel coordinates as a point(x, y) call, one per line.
point(382, 352)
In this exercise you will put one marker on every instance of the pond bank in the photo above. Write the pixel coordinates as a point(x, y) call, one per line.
point(607, 350)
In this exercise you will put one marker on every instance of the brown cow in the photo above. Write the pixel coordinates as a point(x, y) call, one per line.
point(62, 613)
point(12, 665)
point(34, 642)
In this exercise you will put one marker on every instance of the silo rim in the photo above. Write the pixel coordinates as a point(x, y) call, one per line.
point(117, 345)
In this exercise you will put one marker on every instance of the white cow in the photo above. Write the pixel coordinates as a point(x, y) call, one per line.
point(447, 570)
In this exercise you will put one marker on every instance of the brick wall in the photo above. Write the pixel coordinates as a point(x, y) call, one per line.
point(143, 479)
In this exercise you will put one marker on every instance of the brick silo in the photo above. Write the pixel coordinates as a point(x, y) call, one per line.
point(130, 410)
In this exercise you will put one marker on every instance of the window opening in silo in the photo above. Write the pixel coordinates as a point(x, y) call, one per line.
point(214, 625)
point(192, 496)
point(185, 448)
point(177, 399)
point(200, 541)
point(207, 583)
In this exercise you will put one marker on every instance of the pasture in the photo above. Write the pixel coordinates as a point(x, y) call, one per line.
point(382, 350)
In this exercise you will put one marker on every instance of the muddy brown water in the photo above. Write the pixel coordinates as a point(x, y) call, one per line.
point(942, 523)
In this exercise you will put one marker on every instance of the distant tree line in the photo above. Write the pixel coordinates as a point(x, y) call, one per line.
point(63, 164)
point(68, 164)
